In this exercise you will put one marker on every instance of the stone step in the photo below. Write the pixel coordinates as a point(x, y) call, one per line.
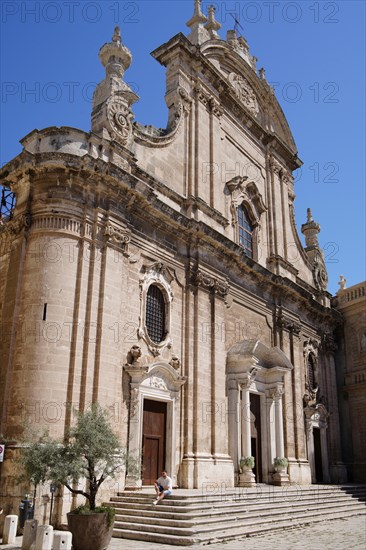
point(245, 516)
point(189, 510)
point(280, 496)
point(223, 534)
point(288, 495)
point(221, 516)
point(285, 523)
point(186, 520)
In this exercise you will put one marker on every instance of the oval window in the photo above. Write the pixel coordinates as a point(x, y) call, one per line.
point(155, 314)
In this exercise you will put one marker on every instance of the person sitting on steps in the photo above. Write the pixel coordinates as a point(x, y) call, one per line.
point(163, 487)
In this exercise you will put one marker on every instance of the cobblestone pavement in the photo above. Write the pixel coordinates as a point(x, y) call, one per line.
point(339, 534)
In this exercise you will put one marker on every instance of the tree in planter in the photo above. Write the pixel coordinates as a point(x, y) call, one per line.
point(92, 453)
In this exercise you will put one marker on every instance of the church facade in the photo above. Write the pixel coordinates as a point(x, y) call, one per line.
point(160, 273)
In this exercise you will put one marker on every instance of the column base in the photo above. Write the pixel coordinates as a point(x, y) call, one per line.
point(338, 473)
point(280, 478)
point(299, 471)
point(132, 483)
point(201, 471)
point(247, 479)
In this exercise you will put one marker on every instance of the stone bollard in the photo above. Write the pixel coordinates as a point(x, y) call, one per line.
point(10, 529)
point(44, 537)
point(62, 540)
point(30, 533)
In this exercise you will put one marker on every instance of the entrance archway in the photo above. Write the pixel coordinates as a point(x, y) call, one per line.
point(316, 417)
point(153, 412)
point(255, 382)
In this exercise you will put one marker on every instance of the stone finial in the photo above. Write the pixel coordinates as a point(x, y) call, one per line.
point(240, 46)
point(117, 36)
point(111, 115)
point(198, 33)
point(262, 73)
point(310, 230)
point(342, 283)
point(212, 26)
point(114, 56)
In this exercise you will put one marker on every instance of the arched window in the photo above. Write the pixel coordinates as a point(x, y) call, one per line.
point(155, 314)
point(245, 229)
point(311, 372)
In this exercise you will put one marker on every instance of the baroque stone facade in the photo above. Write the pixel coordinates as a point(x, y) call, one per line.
point(161, 274)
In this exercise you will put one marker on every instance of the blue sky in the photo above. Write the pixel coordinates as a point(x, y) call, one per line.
point(313, 53)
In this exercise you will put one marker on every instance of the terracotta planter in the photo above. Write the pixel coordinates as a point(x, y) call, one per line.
point(89, 531)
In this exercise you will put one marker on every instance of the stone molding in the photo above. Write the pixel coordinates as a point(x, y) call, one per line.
point(210, 283)
point(328, 344)
point(162, 276)
point(288, 324)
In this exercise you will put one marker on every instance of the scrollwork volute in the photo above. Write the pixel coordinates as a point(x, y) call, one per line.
point(207, 282)
point(117, 236)
point(320, 274)
point(120, 119)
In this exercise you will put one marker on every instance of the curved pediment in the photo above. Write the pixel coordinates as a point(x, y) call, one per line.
point(252, 91)
point(260, 355)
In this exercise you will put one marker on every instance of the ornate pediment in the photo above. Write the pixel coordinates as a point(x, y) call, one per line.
point(243, 190)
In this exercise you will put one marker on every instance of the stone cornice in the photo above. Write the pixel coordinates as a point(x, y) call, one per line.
point(142, 201)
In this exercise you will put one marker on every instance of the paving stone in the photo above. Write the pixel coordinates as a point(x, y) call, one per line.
point(329, 535)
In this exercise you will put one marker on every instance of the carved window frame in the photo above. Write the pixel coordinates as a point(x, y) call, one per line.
point(245, 193)
point(160, 276)
point(311, 351)
point(244, 207)
point(311, 371)
point(254, 223)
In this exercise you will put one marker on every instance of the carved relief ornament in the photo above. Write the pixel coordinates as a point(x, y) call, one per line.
point(117, 236)
point(207, 282)
point(320, 274)
point(16, 225)
point(244, 92)
point(120, 119)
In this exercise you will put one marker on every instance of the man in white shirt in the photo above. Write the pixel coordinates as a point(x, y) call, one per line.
point(163, 487)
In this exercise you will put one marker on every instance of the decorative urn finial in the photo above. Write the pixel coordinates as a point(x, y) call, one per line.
point(212, 26)
point(198, 33)
point(112, 115)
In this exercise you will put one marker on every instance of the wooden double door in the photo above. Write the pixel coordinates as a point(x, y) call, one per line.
point(153, 440)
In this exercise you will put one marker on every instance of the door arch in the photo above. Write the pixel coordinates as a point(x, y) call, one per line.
point(156, 386)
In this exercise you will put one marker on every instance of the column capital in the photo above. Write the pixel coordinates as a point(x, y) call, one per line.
point(276, 392)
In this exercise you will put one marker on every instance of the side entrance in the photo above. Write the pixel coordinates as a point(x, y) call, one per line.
point(153, 440)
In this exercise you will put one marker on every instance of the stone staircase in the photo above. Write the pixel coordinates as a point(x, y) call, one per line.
point(190, 517)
